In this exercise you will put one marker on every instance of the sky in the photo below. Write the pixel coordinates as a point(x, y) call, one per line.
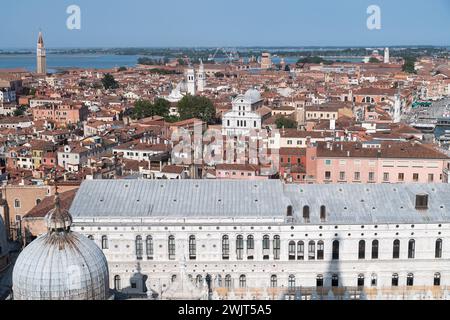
point(224, 23)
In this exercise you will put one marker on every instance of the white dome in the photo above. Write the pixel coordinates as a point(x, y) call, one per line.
point(253, 95)
point(61, 264)
point(61, 267)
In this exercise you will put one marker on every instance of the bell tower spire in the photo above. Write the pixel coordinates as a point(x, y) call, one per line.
point(41, 57)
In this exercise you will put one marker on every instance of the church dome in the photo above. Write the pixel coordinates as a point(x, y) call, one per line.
point(253, 95)
point(61, 264)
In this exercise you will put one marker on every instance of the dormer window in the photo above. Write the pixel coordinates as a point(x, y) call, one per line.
point(306, 213)
point(289, 211)
point(422, 201)
point(323, 213)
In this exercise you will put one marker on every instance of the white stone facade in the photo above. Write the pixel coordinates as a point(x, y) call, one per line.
point(243, 117)
point(425, 261)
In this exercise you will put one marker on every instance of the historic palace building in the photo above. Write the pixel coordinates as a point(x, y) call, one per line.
point(267, 240)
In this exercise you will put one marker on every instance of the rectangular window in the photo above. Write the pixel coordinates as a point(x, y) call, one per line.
point(415, 177)
point(401, 177)
point(430, 177)
point(342, 175)
point(386, 177)
point(357, 176)
point(327, 175)
point(328, 162)
point(371, 176)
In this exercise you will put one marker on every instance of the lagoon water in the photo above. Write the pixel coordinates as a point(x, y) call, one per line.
point(94, 61)
point(56, 61)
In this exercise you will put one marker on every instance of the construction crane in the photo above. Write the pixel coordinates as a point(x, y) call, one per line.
point(230, 54)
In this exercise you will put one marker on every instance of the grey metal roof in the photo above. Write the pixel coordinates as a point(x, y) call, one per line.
point(179, 198)
point(371, 203)
point(345, 203)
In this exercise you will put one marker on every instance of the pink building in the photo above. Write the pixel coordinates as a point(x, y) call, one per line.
point(61, 114)
point(375, 162)
point(238, 172)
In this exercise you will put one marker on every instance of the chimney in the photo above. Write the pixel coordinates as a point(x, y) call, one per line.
point(348, 153)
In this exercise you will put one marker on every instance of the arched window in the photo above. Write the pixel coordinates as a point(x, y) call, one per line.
point(396, 249)
point(117, 284)
point(38, 201)
point(239, 247)
point(199, 280)
point(16, 203)
point(266, 247)
point(411, 249)
point(291, 282)
point(335, 251)
point(362, 249)
point(225, 247)
point(273, 281)
point(250, 243)
point(306, 213)
point(104, 242)
point(192, 248)
point(375, 249)
point(437, 279)
point(410, 280)
point(373, 280)
point(300, 250)
point(335, 280)
point(242, 281)
point(228, 281)
point(138, 246)
point(319, 280)
point(360, 280)
point(311, 250)
point(219, 281)
point(171, 248)
point(320, 249)
point(291, 250)
point(90, 237)
point(250, 247)
point(149, 247)
point(395, 280)
point(438, 249)
point(174, 277)
point(276, 247)
point(323, 213)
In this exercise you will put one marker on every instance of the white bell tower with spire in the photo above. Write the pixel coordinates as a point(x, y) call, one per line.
point(201, 77)
point(41, 59)
point(386, 56)
point(190, 80)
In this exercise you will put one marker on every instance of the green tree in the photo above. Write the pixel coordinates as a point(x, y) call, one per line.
point(287, 123)
point(409, 65)
point(20, 111)
point(109, 82)
point(374, 60)
point(144, 108)
point(196, 107)
point(161, 107)
point(122, 69)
